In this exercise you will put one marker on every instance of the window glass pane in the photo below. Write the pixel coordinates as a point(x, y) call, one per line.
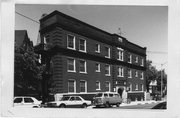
point(107, 86)
point(97, 48)
point(110, 95)
point(97, 85)
point(82, 66)
point(107, 51)
point(78, 99)
point(107, 70)
point(71, 86)
point(82, 86)
point(71, 64)
point(18, 100)
point(28, 100)
point(70, 41)
point(82, 44)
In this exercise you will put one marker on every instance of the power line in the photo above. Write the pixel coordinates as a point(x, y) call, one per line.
point(27, 17)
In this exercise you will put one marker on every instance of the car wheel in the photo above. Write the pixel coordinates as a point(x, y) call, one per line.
point(118, 104)
point(62, 106)
point(84, 105)
point(35, 106)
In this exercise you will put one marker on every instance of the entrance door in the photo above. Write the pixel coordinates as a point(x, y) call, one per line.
point(120, 91)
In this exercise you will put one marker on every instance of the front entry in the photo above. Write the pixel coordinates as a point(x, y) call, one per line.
point(120, 91)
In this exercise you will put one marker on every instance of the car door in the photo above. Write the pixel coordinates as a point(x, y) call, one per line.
point(79, 101)
point(18, 102)
point(72, 102)
point(29, 102)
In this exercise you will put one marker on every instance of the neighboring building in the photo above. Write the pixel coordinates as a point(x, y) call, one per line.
point(85, 59)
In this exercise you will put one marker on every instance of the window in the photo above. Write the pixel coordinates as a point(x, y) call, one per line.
point(129, 73)
point(142, 62)
point(107, 52)
point(136, 73)
point(17, 100)
point(142, 76)
point(98, 86)
point(107, 85)
point(129, 58)
point(98, 67)
point(120, 39)
point(78, 99)
point(107, 70)
point(71, 42)
point(83, 86)
point(120, 72)
point(28, 100)
point(82, 45)
point(136, 59)
point(97, 48)
point(71, 65)
point(71, 86)
point(82, 66)
point(136, 85)
point(120, 54)
point(142, 87)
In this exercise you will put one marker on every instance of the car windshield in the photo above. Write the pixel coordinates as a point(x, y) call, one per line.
point(65, 98)
point(98, 95)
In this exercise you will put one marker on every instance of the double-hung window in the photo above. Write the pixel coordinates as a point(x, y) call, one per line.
point(129, 73)
point(107, 70)
point(82, 45)
point(71, 86)
point(83, 86)
point(142, 76)
point(142, 62)
point(71, 66)
point(120, 72)
point(107, 52)
point(136, 59)
point(142, 87)
point(98, 67)
point(136, 73)
point(97, 48)
point(71, 42)
point(107, 85)
point(129, 58)
point(82, 66)
point(98, 85)
point(120, 53)
point(136, 86)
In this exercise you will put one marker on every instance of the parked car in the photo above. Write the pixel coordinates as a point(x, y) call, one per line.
point(161, 105)
point(70, 101)
point(26, 101)
point(107, 99)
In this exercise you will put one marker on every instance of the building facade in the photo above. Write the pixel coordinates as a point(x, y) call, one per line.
point(85, 59)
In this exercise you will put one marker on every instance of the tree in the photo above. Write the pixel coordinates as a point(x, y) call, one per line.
point(27, 72)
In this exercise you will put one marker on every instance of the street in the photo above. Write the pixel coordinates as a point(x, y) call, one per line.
point(139, 106)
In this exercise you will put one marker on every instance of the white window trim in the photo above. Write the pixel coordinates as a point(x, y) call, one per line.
point(109, 86)
point(119, 50)
point(74, 65)
point(85, 86)
point(142, 75)
point(99, 85)
point(109, 51)
point(74, 42)
point(136, 73)
point(130, 73)
point(84, 45)
point(85, 72)
point(122, 69)
point(109, 74)
point(74, 85)
point(99, 48)
point(99, 67)
point(130, 58)
point(136, 86)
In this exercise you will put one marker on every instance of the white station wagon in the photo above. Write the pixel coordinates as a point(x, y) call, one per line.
point(26, 102)
point(70, 101)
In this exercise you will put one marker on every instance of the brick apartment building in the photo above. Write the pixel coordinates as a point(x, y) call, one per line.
point(84, 59)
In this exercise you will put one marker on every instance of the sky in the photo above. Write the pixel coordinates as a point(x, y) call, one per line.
point(146, 26)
